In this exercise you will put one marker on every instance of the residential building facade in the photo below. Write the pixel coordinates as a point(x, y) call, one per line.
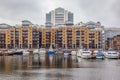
point(32, 36)
point(3, 28)
point(113, 43)
point(111, 32)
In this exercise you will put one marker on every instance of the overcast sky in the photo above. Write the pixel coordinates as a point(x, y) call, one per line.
point(106, 11)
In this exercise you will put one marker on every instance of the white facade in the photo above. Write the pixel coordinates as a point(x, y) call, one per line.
point(59, 16)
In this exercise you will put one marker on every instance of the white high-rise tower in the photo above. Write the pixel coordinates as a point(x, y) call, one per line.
point(59, 16)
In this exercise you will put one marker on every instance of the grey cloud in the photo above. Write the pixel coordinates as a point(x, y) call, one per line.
point(16, 10)
point(105, 11)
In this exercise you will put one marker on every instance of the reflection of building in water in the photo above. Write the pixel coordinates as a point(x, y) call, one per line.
point(51, 61)
point(42, 61)
point(20, 62)
point(25, 60)
point(7, 63)
point(47, 61)
point(36, 59)
point(30, 62)
point(69, 62)
point(58, 62)
point(1, 62)
point(17, 61)
point(64, 63)
point(20, 65)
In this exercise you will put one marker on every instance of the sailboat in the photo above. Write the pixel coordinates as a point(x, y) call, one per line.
point(59, 51)
point(42, 51)
point(51, 51)
point(66, 51)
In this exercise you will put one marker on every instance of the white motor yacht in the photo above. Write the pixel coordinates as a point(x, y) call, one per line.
point(26, 52)
point(111, 54)
point(42, 51)
point(36, 51)
point(86, 54)
point(73, 53)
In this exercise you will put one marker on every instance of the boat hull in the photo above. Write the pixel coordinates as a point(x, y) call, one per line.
point(112, 56)
point(100, 57)
point(86, 56)
point(35, 52)
point(51, 52)
point(26, 53)
point(18, 53)
point(73, 53)
point(42, 52)
point(65, 54)
point(1, 54)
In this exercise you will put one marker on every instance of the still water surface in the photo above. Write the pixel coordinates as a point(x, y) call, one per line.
point(57, 68)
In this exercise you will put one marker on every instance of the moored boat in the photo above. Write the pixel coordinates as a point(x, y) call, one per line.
point(18, 52)
point(59, 53)
point(11, 51)
point(86, 54)
point(1, 53)
point(66, 53)
point(26, 52)
point(119, 53)
point(111, 54)
point(5, 52)
point(36, 51)
point(100, 54)
point(51, 51)
point(42, 51)
point(93, 54)
point(79, 55)
point(74, 56)
point(73, 53)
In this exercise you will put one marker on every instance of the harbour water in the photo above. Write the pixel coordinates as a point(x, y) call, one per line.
point(31, 67)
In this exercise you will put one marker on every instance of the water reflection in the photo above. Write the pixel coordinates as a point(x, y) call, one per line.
point(7, 63)
point(57, 67)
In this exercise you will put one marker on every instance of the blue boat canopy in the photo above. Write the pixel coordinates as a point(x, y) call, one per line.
point(51, 52)
point(66, 51)
point(100, 52)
